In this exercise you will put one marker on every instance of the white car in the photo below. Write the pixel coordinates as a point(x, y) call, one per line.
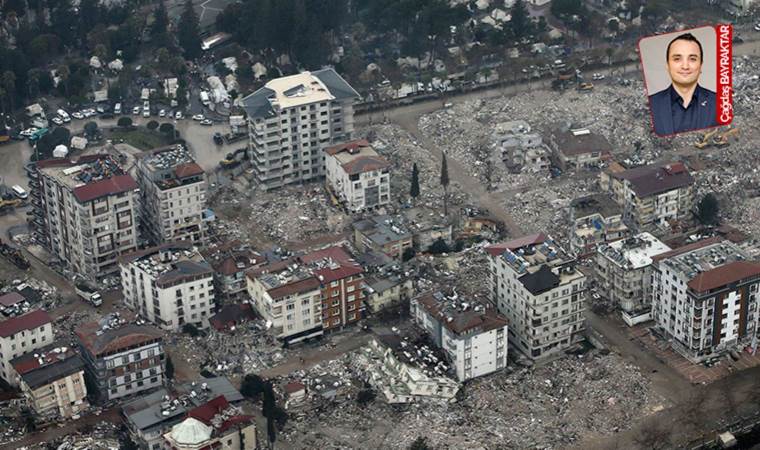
point(757, 27)
point(162, 113)
point(136, 110)
point(597, 76)
point(146, 112)
point(77, 115)
point(57, 120)
point(29, 131)
point(207, 122)
point(198, 117)
point(89, 112)
point(178, 115)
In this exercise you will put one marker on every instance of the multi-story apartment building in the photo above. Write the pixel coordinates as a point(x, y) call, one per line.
point(170, 285)
point(21, 335)
point(519, 149)
point(537, 287)
point(595, 219)
point(383, 234)
point(121, 361)
point(291, 120)
point(305, 296)
point(85, 212)
point(473, 334)
point(52, 380)
point(341, 280)
point(172, 195)
point(704, 298)
point(652, 196)
point(230, 261)
point(357, 176)
point(624, 273)
point(214, 425)
point(578, 147)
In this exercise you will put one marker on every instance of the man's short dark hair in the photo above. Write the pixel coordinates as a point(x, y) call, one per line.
point(685, 37)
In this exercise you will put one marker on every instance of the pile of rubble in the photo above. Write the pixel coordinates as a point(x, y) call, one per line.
point(548, 407)
point(465, 271)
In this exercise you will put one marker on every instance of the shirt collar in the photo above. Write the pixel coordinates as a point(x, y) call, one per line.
point(675, 97)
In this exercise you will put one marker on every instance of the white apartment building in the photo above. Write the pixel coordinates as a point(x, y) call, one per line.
point(170, 285)
point(21, 335)
point(595, 219)
point(289, 298)
point(291, 120)
point(473, 335)
point(536, 286)
point(85, 212)
point(704, 298)
point(624, 272)
point(122, 360)
point(172, 195)
point(652, 196)
point(357, 176)
point(52, 380)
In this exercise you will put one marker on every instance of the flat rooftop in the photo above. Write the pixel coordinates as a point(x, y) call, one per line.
point(102, 339)
point(382, 230)
point(704, 259)
point(601, 204)
point(171, 166)
point(285, 278)
point(513, 127)
point(89, 178)
point(635, 252)
point(170, 262)
point(459, 315)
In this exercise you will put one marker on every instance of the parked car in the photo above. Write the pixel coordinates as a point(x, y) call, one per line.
point(117, 108)
point(178, 115)
point(89, 112)
point(162, 113)
point(146, 112)
point(597, 77)
point(207, 122)
point(136, 110)
point(757, 27)
point(57, 120)
point(77, 115)
point(198, 117)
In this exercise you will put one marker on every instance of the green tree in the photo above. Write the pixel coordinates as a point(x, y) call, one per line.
point(438, 247)
point(124, 122)
point(101, 51)
point(707, 210)
point(160, 28)
point(445, 184)
point(9, 84)
point(252, 386)
point(613, 25)
point(169, 368)
point(565, 8)
point(419, 444)
point(63, 74)
point(187, 328)
point(166, 128)
point(414, 191)
point(89, 16)
point(408, 254)
point(33, 83)
point(152, 125)
point(188, 34)
point(64, 21)
point(520, 25)
point(91, 128)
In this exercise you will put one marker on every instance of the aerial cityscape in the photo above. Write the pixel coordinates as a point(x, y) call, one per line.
point(379, 224)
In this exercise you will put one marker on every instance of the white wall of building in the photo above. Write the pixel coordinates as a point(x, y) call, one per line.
point(21, 343)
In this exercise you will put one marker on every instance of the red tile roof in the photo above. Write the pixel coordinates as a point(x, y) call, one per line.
point(723, 275)
point(346, 267)
point(347, 146)
point(206, 412)
point(187, 170)
point(11, 299)
point(102, 188)
point(58, 162)
point(115, 339)
point(533, 239)
point(28, 321)
point(364, 164)
point(305, 285)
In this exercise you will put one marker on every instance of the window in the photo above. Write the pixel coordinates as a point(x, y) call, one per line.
point(291, 306)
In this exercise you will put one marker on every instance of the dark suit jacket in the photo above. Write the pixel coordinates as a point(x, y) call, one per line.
point(660, 106)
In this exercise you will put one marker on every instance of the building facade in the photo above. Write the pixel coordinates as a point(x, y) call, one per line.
point(473, 335)
point(624, 273)
point(704, 298)
point(84, 212)
point(52, 380)
point(122, 361)
point(170, 285)
point(291, 120)
point(21, 335)
point(357, 176)
point(654, 196)
point(537, 287)
point(595, 219)
point(172, 195)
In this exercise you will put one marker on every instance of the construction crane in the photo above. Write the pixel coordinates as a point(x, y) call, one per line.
point(721, 140)
point(706, 138)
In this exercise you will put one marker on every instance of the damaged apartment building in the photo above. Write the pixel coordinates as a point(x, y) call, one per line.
point(653, 196)
point(172, 195)
point(520, 149)
point(357, 176)
point(624, 272)
point(230, 261)
point(704, 298)
point(169, 285)
point(291, 120)
point(575, 148)
point(21, 335)
point(84, 212)
point(472, 333)
point(595, 219)
point(304, 296)
point(539, 290)
point(213, 425)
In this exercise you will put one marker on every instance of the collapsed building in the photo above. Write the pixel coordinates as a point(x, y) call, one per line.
point(230, 261)
point(84, 212)
point(653, 196)
point(382, 234)
point(170, 285)
point(472, 333)
point(704, 298)
point(172, 195)
point(624, 273)
point(539, 290)
point(519, 148)
point(594, 220)
point(52, 381)
point(357, 176)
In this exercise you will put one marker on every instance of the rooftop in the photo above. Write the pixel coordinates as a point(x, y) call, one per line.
point(295, 90)
point(635, 252)
point(171, 166)
point(601, 204)
point(47, 364)
point(357, 157)
point(232, 257)
point(382, 230)
point(580, 141)
point(331, 264)
point(89, 178)
point(219, 414)
point(29, 321)
point(101, 340)
point(461, 316)
point(656, 178)
point(170, 263)
point(513, 127)
point(285, 278)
